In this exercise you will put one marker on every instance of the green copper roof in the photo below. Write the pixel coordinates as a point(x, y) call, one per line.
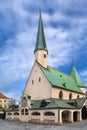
point(60, 79)
point(40, 42)
point(51, 104)
point(79, 101)
point(76, 77)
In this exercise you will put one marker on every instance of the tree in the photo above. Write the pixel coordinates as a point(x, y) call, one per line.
point(12, 102)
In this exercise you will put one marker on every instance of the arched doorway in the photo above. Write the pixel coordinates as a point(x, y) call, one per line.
point(75, 116)
point(84, 113)
point(66, 116)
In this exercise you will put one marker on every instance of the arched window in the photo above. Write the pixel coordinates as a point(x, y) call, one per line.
point(49, 114)
point(70, 96)
point(60, 95)
point(26, 111)
point(36, 114)
point(77, 96)
point(16, 113)
point(65, 116)
point(32, 81)
point(22, 112)
point(9, 113)
point(44, 55)
point(39, 79)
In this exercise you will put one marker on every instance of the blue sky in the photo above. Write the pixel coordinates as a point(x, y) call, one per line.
point(65, 27)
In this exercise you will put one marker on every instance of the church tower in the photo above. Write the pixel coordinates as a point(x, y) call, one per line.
point(41, 51)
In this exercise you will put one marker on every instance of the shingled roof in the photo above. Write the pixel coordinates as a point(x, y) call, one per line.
point(60, 79)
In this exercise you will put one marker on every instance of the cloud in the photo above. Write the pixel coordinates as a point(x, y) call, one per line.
point(14, 61)
point(59, 54)
point(65, 26)
point(84, 77)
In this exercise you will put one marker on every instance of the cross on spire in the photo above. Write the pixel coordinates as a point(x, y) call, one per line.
point(72, 61)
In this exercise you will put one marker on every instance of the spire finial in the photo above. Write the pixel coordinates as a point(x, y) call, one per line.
point(72, 61)
point(40, 11)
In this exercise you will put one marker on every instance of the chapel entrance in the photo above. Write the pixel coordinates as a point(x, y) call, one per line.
point(84, 113)
point(66, 116)
point(75, 116)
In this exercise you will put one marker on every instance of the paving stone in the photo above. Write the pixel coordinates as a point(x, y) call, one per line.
point(10, 125)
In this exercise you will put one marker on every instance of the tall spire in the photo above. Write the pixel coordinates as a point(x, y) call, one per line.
point(40, 42)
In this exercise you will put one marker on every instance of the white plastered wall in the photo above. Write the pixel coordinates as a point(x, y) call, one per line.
point(83, 89)
point(55, 93)
point(37, 90)
point(39, 56)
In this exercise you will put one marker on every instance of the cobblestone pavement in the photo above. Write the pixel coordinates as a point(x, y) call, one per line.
point(9, 125)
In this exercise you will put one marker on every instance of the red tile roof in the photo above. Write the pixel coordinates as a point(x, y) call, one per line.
point(3, 96)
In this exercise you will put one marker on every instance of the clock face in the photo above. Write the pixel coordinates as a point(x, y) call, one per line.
point(24, 102)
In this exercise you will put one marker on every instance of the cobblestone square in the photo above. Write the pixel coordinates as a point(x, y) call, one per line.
point(9, 125)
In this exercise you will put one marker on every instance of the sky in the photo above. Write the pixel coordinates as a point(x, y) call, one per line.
point(65, 28)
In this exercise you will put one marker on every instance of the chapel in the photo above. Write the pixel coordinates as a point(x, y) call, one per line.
point(50, 96)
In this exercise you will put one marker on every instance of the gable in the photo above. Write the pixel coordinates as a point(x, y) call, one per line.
point(37, 86)
point(3, 96)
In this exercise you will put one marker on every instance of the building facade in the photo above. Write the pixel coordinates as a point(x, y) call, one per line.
point(4, 102)
point(50, 96)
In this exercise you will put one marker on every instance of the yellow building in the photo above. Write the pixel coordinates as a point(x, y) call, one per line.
point(50, 96)
point(4, 102)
